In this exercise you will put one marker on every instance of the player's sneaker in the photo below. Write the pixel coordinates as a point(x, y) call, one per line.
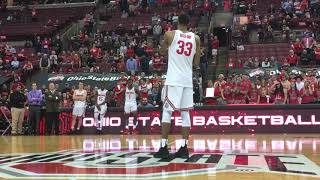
point(182, 153)
point(162, 153)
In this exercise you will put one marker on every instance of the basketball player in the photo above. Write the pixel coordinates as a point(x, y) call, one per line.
point(183, 52)
point(130, 105)
point(79, 106)
point(100, 108)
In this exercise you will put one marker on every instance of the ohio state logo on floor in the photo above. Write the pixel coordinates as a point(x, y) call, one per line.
point(142, 165)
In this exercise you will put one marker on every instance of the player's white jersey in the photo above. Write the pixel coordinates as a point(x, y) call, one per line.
point(79, 94)
point(130, 96)
point(181, 54)
point(101, 96)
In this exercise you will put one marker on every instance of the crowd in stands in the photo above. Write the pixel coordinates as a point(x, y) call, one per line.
point(127, 50)
point(284, 16)
point(284, 87)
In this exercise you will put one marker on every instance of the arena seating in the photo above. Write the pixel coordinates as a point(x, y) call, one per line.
point(17, 30)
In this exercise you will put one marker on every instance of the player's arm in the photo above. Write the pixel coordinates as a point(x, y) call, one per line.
point(96, 98)
point(196, 60)
point(137, 92)
point(74, 97)
point(105, 100)
point(165, 43)
point(84, 97)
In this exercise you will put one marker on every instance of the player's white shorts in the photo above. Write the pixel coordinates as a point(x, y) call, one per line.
point(79, 111)
point(130, 107)
point(177, 98)
point(214, 52)
point(103, 109)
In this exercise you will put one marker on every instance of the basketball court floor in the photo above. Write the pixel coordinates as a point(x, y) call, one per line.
point(256, 157)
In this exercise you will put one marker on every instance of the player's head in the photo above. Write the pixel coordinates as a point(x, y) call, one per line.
point(183, 20)
point(81, 85)
point(130, 82)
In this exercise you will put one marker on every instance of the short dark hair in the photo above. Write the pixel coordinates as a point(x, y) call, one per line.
point(184, 20)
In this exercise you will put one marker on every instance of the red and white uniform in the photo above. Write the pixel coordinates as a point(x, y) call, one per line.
point(178, 90)
point(130, 104)
point(102, 96)
point(79, 107)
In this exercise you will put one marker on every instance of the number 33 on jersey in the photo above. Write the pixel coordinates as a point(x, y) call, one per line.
point(181, 54)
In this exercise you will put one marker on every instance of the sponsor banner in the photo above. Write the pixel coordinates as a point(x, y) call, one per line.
point(216, 121)
point(108, 80)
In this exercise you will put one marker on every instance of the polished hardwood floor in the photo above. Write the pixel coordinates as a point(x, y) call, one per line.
point(236, 156)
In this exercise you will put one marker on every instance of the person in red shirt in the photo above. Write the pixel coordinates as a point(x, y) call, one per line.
point(148, 49)
point(45, 45)
point(143, 88)
point(96, 52)
point(297, 47)
point(130, 52)
point(292, 58)
point(226, 5)
point(214, 45)
point(119, 91)
point(169, 27)
point(293, 94)
point(157, 62)
point(307, 93)
point(121, 67)
point(227, 92)
point(76, 61)
point(254, 95)
point(123, 79)
point(207, 8)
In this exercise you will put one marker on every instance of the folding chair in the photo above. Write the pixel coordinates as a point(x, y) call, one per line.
point(7, 116)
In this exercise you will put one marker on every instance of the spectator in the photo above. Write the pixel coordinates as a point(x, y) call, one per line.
point(52, 98)
point(35, 102)
point(53, 59)
point(17, 101)
point(266, 63)
point(292, 58)
point(305, 58)
point(144, 62)
point(219, 86)
point(44, 63)
point(215, 46)
point(157, 32)
point(157, 62)
point(132, 65)
point(279, 94)
point(145, 104)
point(297, 47)
point(308, 92)
point(15, 63)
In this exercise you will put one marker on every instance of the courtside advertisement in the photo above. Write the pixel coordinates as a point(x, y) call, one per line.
point(215, 121)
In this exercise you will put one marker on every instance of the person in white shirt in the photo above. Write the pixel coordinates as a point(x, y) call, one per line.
point(79, 106)
point(130, 105)
point(184, 52)
point(100, 108)
point(15, 63)
point(266, 63)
